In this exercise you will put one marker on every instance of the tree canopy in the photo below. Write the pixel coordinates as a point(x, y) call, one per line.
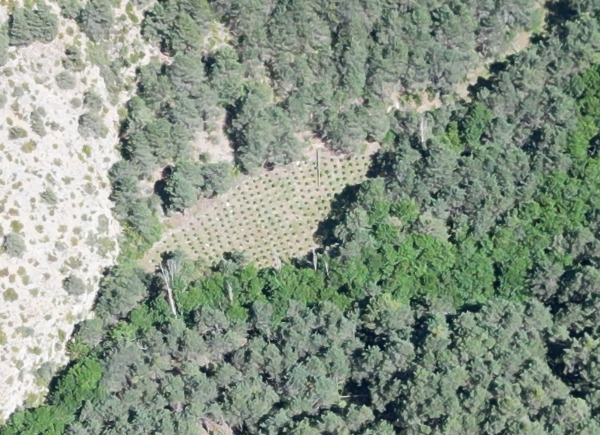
point(284, 70)
point(27, 25)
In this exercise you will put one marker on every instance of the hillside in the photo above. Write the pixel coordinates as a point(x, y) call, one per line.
point(54, 197)
point(433, 268)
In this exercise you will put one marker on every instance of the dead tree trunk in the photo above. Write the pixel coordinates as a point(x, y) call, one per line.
point(229, 292)
point(422, 128)
point(276, 260)
point(169, 271)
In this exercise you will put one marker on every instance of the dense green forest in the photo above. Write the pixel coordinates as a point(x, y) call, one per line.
point(457, 290)
point(290, 68)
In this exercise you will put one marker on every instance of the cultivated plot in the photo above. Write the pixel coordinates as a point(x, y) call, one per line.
point(269, 218)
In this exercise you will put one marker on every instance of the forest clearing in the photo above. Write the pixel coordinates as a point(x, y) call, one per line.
point(270, 218)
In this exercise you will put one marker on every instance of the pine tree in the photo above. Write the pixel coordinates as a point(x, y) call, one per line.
point(19, 29)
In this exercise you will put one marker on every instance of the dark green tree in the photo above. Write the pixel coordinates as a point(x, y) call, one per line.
point(96, 19)
point(4, 44)
point(74, 286)
point(184, 185)
point(14, 245)
point(19, 28)
point(218, 178)
point(43, 23)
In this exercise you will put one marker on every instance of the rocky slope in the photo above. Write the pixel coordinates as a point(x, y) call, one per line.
point(55, 212)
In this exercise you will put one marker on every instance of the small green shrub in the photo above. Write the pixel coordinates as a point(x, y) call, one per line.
point(92, 101)
point(49, 197)
point(16, 226)
point(73, 59)
point(13, 245)
point(91, 124)
point(70, 8)
point(10, 295)
point(28, 147)
point(74, 285)
point(16, 133)
point(37, 121)
point(18, 91)
point(75, 103)
point(66, 80)
point(46, 372)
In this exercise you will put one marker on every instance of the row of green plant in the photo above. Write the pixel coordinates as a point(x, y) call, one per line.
point(264, 216)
